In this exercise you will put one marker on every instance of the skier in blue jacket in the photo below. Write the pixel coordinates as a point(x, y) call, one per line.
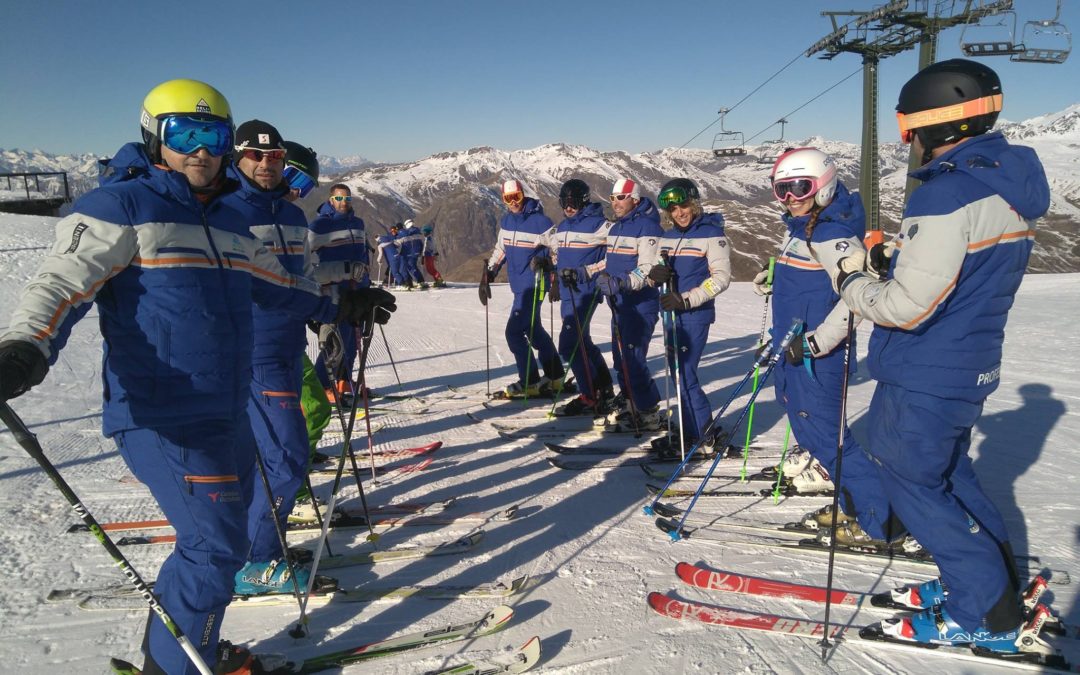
point(822, 216)
point(521, 239)
point(172, 270)
point(578, 242)
point(939, 315)
point(412, 248)
point(622, 275)
point(698, 269)
point(339, 245)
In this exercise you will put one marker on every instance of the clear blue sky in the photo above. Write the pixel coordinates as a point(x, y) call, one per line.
point(403, 79)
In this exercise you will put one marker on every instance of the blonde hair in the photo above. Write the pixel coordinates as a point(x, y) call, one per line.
point(665, 216)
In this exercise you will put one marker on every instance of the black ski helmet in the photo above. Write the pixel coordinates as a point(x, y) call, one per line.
point(574, 194)
point(302, 158)
point(947, 101)
point(677, 191)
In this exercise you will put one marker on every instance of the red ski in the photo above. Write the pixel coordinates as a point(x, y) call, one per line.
point(725, 616)
point(731, 582)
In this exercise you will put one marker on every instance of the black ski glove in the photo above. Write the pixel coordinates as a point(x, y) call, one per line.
point(660, 274)
point(572, 275)
point(673, 302)
point(486, 277)
point(22, 365)
point(356, 305)
point(880, 259)
point(609, 285)
point(331, 345)
point(540, 264)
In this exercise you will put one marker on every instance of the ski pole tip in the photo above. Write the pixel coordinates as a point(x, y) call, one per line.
point(649, 511)
point(675, 536)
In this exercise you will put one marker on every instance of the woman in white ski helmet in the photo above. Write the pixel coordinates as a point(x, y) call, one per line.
point(820, 214)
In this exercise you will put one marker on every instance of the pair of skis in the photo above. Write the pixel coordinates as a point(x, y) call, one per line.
point(492, 622)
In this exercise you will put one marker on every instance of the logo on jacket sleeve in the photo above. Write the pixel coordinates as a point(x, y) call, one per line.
point(76, 237)
point(842, 246)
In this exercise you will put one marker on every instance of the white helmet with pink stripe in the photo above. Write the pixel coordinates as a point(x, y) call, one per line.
point(804, 172)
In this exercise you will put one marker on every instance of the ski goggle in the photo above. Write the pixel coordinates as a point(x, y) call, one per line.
point(340, 198)
point(673, 196)
point(513, 198)
point(796, 188)
point(572, 202)
point(256, 155)
point(187, 135)
point(909, 122)
point(299, 181)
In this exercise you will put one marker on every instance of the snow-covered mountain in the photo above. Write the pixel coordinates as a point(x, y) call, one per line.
point(82, 170)
point(333, 166)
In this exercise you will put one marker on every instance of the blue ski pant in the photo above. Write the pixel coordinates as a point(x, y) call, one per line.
point(691, 338)
point(636, 324)
point(522, 316)
point(813, 410)
point(201, 476)
point(588, 366)
point(281, 438)
point(412, 269)
point(920, 444)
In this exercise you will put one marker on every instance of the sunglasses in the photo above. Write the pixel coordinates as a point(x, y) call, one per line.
point(909, 122)
point(621, 197)
point(187, 135)
point(257, 155)
point(673, 196)
point(340, 198)
point(513, 198)
point(299, 181)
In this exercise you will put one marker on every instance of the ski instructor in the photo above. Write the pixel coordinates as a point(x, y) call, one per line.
point(173, 271)
point(939, 312)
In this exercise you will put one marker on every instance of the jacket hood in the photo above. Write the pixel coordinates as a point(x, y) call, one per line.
point(846, 208)
point(645, 207)
point(716, 219)
point(590, 210)
point(1012, 171)
point(130, 161)
point(252, 193)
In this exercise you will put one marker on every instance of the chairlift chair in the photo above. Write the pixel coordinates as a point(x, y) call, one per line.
point(771, 150)
point(1050, 30)
point(731, 142)
point(993, 35)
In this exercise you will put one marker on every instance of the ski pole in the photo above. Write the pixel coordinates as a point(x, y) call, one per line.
point(769, 357)
point(315, 506)
point(30, 444)
point(580, 347)
point(570, 361)
point(487, 346)
point(780, 471)
point(390, 355)
point(795, 330)
point(624, 368)
point(836, 482)
point(529, 337)
point(649, 508)
point(761, 343)
point(300, 630)
point(674, 364)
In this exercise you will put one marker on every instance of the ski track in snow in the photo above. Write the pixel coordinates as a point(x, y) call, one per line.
point(581, 535)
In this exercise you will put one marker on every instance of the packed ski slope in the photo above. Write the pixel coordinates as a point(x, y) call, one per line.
point(591, 555)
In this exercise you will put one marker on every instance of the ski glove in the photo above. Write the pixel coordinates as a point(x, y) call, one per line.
point(554, 295)
point(763, 282)
point(880, 259)
point(660, 274)
point(540, 264)
point(22, 365)
point(798, 351)
point(332, 347)
point(356, 305)
point(609, 285)
point(572, 276)
point(674, 302)
point(486, 277)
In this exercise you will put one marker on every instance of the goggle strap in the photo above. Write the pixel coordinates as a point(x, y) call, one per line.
point(950, 113)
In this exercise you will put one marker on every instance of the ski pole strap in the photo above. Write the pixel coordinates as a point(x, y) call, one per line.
point(807, 360)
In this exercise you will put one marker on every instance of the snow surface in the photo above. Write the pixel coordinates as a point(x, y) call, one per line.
point(580, 535)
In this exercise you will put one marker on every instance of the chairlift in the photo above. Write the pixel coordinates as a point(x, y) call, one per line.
point(1053, 32)
point(992, 35)
point(771, 150)
point(732, 142)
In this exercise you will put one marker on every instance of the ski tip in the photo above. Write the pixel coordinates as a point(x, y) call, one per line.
point(122, 667)
point(499, 616)
point(529, 653)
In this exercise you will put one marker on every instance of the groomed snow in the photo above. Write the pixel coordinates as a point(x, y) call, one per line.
point(580, 535)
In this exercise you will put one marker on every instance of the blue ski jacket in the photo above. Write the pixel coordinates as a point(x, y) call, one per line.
point(701, 264)
point(173, 280)
point(963, 246)
point(579, 241)
point(338, 243)
point(521, 237)
point(633, 247)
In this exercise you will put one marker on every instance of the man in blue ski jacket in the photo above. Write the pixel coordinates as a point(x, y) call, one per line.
point(519, 240)
point(172, 270)
point(577, 243)
point(939, 315)
point(339, 245)
point(388, 257)
point(412, 248)
point(633, 244)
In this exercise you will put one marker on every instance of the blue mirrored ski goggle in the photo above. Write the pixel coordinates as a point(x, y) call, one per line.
point(300, 181)
point(187, 135)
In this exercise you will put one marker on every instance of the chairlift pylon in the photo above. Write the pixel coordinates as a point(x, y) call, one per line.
point(991, 38)
point(727, 139)
point(1038, 30)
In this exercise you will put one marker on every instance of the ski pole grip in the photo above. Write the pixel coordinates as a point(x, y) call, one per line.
point(772, 266)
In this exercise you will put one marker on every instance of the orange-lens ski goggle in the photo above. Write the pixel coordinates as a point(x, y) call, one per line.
point(909, 122)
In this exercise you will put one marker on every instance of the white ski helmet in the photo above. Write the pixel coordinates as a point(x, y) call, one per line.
point(802, 172)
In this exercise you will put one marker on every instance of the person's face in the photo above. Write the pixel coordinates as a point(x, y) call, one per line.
point(343, 204)
point(514, 202)
point(200, 167)
point(623, 204)
point(799, 207)
point(682, 214)
point(264, 172)
point(569, 211)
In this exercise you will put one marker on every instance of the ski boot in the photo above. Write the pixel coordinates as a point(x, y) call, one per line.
point(439, 283)
point(822, 519)
point(424, 286)
point(647, 420)
point(934, 626)
point(814, 479)
point(518, 390)
point(794, 462)
point(303, 511)
point(258, 578)
point(577, 407)
point(237, 660)
point(913, 597)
